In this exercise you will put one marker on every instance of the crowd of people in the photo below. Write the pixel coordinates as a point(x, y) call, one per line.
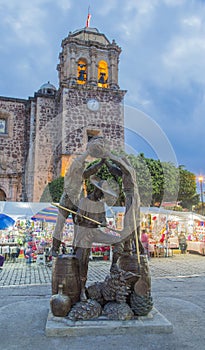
point(163, 242)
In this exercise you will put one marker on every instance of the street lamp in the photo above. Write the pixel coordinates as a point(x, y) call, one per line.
point(201, 190)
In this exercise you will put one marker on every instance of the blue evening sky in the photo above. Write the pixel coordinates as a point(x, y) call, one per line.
point(162, 64)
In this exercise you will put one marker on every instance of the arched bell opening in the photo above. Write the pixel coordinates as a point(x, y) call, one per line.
point(103, 74)
point(82, 71)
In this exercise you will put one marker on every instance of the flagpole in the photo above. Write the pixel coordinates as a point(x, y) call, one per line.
point(88, 18)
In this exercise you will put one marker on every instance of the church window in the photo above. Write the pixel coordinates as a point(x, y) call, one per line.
point(103, 74)
point(92, 133)
point(82, 71)
point(3, 126)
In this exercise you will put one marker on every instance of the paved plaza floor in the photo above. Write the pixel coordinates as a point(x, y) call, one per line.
point(22, 273)
point(178, 290)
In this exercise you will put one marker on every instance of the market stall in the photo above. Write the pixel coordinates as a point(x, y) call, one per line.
point(165, 226)
point(197, 247)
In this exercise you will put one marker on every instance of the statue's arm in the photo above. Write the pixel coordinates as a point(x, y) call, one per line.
point(113, 169)
point(92, 169)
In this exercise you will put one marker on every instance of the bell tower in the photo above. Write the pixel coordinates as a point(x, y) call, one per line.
point(90, 99)
point(88, 58)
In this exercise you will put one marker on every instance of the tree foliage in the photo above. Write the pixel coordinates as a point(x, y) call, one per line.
point(165, 180)
point(187, 189)
point(104, 174)
point(157, 182)
point(143, 177)
point(53, 190)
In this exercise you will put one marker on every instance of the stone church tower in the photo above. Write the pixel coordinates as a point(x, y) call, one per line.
point(56, 124)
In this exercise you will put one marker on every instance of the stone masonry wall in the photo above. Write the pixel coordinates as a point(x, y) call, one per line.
point(46, 143)
point(12, 147)
point(79, 121)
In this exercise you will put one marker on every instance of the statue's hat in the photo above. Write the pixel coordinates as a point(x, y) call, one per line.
point(103, 185)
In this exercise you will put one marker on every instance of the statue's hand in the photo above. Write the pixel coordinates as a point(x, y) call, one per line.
point(103, 224)
point(98, 148)
point(104, 160)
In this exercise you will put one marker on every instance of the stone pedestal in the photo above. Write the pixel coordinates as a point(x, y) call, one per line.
point(153, 323)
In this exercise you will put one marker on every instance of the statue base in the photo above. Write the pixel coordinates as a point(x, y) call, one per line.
point(154, 322)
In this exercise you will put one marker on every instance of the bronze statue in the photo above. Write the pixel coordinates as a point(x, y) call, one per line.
point(73, 183)
point(86, 231)
point(120, 167)
point(129, 282)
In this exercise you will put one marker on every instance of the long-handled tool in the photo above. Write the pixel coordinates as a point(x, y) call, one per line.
point(83, 216)
point(136, 237)
point(75, 212)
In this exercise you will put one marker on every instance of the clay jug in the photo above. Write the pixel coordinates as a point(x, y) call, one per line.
point(60, 303)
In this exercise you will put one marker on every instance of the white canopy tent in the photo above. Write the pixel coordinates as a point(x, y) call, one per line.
point(183, 215)
point(25, 210)
point(21, 210)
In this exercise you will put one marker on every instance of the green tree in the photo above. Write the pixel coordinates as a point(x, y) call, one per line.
point(104, 174)
point(53, 190)
point(157, 181)
point(170, 182)
point(143, 177)
point(187, 189)
point(162, 181)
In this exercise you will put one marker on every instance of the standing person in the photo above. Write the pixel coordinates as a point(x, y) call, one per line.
point(47, 254)
point(182, 243)
point(28, 253)
point(145, 242)
point(86, 231)
point(18, 250)
point(1, 262)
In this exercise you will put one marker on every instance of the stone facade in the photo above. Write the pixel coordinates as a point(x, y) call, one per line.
point(13, 149)
point(40, 136)
point(79, 123)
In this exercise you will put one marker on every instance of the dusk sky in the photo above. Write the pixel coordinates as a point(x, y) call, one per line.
point(162, 64)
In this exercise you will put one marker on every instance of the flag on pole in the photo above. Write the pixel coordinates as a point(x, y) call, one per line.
point(88, 20)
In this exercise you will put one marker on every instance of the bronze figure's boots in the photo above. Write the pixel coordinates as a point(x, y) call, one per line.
point(117, 252)
point(55, 247)
point(83, 296)
point(114, 267)
point(128, 247)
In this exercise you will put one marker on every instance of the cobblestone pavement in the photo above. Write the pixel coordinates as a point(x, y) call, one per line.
point(178, 266)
